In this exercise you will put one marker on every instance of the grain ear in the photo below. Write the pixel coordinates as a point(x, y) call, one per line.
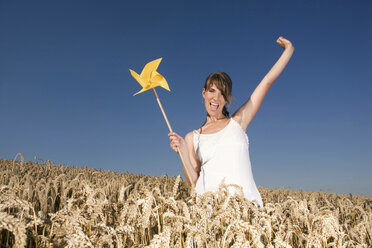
point(22, 159)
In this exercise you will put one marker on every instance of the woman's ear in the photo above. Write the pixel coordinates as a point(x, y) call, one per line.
point(203, 93)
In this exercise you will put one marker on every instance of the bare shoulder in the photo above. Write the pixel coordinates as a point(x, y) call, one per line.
point(243, 115)
point(190, 143)
point(238, 118)
point(189, 137)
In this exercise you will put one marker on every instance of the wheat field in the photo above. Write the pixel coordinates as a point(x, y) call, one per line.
point(45, 205)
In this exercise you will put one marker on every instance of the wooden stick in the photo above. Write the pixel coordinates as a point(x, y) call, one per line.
point(170, 129)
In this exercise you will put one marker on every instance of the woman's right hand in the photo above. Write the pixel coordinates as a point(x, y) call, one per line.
point(286, 44)
point(176, 142)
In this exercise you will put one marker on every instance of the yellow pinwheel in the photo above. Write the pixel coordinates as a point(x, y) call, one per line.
point(149, 77)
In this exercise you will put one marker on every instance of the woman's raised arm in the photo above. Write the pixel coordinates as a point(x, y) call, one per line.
point(248, 110)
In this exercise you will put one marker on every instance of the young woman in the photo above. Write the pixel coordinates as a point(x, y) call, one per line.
point(220, 148)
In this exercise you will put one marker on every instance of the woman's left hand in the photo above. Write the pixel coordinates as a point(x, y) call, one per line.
point(284, 42)
point(177, 142)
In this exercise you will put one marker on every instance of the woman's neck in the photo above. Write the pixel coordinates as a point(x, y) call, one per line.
point(211, 119)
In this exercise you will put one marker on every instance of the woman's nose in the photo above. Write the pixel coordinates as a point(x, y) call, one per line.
point(218, 96)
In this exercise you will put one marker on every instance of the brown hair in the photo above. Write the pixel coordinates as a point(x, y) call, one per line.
point(224, 84)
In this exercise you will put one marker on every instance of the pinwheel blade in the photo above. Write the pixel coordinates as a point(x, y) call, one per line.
point(149, 77)
point(137, 77)
point(149, 68)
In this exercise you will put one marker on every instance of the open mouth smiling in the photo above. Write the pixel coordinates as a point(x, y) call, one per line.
point(214, 106)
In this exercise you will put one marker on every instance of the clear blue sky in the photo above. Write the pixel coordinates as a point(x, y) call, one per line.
point(66, 92)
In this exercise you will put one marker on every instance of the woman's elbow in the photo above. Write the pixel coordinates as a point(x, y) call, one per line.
point(192, 182)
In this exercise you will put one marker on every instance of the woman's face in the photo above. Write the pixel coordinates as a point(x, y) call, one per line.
point(214, 101)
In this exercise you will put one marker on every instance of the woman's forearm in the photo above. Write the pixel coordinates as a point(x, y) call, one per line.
point(184, 148)
point(279, 66)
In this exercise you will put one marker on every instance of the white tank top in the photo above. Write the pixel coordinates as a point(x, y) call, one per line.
point(225, 154)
